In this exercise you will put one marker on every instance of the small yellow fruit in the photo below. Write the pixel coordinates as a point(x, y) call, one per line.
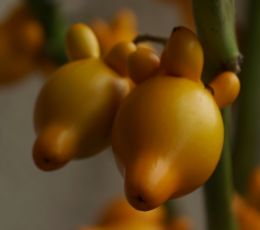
point(226, 87)
point(117, 58)
point(143, 64)
point(81, 42)
point(183, 55)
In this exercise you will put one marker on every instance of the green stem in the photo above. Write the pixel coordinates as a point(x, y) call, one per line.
point(219, 189)
point(215, 22)
point(55, 26)
point(171, 211)
point(248, 122)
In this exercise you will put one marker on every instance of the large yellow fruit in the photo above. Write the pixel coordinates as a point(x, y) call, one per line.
point(75, 110)
point(167, 139)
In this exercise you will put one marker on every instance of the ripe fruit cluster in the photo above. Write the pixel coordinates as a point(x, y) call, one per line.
point(164, 125)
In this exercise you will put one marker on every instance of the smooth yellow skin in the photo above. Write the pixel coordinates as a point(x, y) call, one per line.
point(167, 139)
point(183, 55)
point(83, 97)
point(81, 42)
point(117, 57)
point(120, 210)
point(143, 64)
point(226, 87)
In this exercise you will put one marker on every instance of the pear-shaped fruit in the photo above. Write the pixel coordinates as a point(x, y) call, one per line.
point(75, 110)
point(167, 139)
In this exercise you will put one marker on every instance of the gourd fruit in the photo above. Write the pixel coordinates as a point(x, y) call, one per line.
point(167, 137)
point(168, 133)
point(76, 107)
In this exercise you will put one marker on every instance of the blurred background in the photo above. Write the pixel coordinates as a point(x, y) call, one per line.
point(73, 196)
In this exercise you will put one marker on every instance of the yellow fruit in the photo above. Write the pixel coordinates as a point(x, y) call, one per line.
point(143, 64)
point(183, 55)
point(76, 105)
point(167, 139)
point(120, 210)
point(117, 58)
point(81, 42)
point(226, 87)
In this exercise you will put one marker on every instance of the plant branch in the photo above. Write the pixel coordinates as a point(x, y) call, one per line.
point(215, 22)
point(150, 38)
point(55, 26)
point(219, 189)
point(248, 123)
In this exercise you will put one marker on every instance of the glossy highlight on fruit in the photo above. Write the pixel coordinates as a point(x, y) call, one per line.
point(75, 109)
point(183, 55)
point(167, 139)
point(168, 133)
point(81, 42)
